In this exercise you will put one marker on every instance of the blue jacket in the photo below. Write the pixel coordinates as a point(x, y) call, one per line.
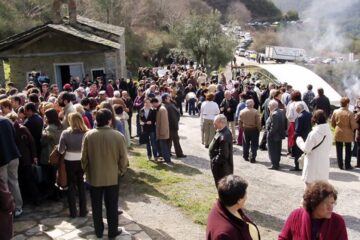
point(8, 147)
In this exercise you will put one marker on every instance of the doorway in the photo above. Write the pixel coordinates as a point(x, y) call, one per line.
point(64, 72)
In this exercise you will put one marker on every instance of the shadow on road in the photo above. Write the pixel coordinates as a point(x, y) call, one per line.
point(156, 233)
point(197, 162)
point(352, 222)
point(265, 220)
point(343, 177)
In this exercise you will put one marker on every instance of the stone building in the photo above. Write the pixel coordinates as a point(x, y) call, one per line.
point(73, 47)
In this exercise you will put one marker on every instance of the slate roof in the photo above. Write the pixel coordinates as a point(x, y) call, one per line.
point(93, 31)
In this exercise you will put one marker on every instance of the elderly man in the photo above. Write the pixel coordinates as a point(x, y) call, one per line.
point(276, 128)
point(221, 150)
point(228, 108)
point(251, 124)
point(302, 129)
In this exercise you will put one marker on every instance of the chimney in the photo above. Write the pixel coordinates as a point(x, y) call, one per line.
point(72, 11)
point(57, 11)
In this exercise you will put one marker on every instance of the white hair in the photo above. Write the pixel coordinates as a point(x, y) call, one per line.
point(117, 94)
point(299, 105)
point(220, 118)
point(273, 104)
point(249, 103)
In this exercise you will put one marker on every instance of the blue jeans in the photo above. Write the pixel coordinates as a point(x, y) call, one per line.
point(192, 108)
point(165, 151)
point(151, 145)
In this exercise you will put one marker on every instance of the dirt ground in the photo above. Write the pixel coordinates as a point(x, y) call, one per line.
point(272, 195)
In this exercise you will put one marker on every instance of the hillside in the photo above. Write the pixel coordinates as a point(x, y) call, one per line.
point(262, 10)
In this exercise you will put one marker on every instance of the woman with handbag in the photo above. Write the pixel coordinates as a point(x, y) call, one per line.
point(70, 145)
point(317, 148)
point(50, 137)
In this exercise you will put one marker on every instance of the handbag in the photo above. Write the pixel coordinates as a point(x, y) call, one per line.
point(37, 172)
point(302, 157)
point(61, 177)
point(55, 156)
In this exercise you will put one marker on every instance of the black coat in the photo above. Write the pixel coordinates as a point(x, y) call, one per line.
point(221, 154)
point(151, 117)
point(26, 145)
point(322, 102)
point(8, 147)
point(276, 125)
point(35, 125)
point(303, 127)
point(228, 104)
point(173, 116)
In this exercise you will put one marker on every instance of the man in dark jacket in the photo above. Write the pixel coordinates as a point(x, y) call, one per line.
point(35, 125)
point(302, 129)
point(147, 117)
point(9, 161)
point(321, 102)
point(221, 150)
point(276, 128)
point(228, 108)
point(174, 118)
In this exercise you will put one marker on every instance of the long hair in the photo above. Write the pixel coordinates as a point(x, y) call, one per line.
point(53, 117)
point(77, 123)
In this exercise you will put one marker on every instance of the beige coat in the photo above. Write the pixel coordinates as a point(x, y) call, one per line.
point(162, 124)
point(104, 156)
point(344, 123)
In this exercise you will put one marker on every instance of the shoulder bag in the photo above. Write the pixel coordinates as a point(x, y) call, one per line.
point(302, 157)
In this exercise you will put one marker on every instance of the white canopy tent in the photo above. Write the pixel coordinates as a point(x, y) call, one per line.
point(299, 77)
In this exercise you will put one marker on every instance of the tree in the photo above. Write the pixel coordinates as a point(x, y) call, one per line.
point(292, 16)
point(202, 35)
point(237, 12)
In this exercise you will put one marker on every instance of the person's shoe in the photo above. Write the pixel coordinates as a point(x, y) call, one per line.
point(169, 164)
point(252, 161)
point(206, 146)
point(181, 156)
point(273, 168)
point(349, 168)
point(246, 159)
point(120, 211)
point(149, 158)
point(263, 148)
point(18, 212)
point(341, 167)
point(117, 234)
point(295, 169)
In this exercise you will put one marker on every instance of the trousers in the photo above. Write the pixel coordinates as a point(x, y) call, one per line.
point(9, 174)
point(111, 196)
point(209, 131)
point(250, 141)
point(274, 149)
point(339, 154)
point(174, 138)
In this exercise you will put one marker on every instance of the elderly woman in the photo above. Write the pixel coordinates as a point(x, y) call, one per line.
point(344, 123)
point(227, 219)
point(317, 148)
point(316, 219)
point(70, 145)
point(209, 109)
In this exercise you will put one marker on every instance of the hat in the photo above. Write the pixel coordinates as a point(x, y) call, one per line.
point(164, 96)
point(67, 86)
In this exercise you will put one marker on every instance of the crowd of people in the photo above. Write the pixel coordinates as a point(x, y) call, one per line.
point(90, 124)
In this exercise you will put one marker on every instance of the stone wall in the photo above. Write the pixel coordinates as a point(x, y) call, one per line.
point(2, 74)
point(20, 66)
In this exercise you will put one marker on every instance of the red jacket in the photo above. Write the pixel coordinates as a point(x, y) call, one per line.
point(298, 227)
point(222, 225)
point(7, 206)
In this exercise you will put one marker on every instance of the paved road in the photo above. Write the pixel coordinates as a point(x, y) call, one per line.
point(272, 195)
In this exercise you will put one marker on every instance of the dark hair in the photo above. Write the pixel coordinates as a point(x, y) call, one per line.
point(231, 189)
point(85, 101)
point(30, 106)
point(309, 87)
point(320, 91)
point(319, 117)
point(277, 93)
point(66, 96)
point(316, 193)
point(103, 116)
point(344, 101)
point(295, 96)
point(118, 109)
point(154, 100)
point(33, 97)
point(52, 117)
